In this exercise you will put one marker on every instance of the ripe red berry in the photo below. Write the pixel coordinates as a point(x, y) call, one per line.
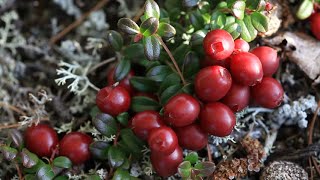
point(181, 110)
point(75, 146)
point(268, 58)
point(163, 140)
point(212, 83)
point(218, 44)
point(113, 100)
point(207, 61)
point(241, 45)
point(192, 137)
point(269, 6)
point(269, 93)
point(237, 98)
point(246, 68)
point(125, 83)
point(217, 119)
point(143, 122)
point(315, 25)
point(41, 140)
point(167, 165)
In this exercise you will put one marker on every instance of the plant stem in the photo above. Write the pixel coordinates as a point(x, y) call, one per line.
point(209, 153)
point(172, 59)
point(13, 108)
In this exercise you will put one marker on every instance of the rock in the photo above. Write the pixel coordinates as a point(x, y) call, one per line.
point(279, 170)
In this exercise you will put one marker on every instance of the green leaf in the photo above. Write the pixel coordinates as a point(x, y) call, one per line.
point(30, 177)
point(190, 3)
point(169, 92)
point(151, 47)
point(305, 9)
point(122, 69)
point(105, 124)
point(142, 103)
point(191, 65)
point(188, 88)
point(218, 20)
point(166, 31)
point(94, 111)
point(177, 53)
point(234, 29)
point(144, 84)
point(248, 32)
point(159, 73)
point(205, 168)
point(152, 9)
point(238, 9)
point(35, 168)
point(9, 153)
point(99, 149)
point(197, 37)
point(45, 173)
point(196, 19)
point(116, 156)
point(121, 174)
point(16, 137)
point(62, 162)
point(93, 177)
point(149, 26)
point(204, 7)
point(128, 26)
point(192, 157)
point(170, 80)
point(133, 143)
point(230, 20)
point(123, 118)
point(184, 169)
point(259, 21)
point(28, 158)
point(256, 5)
point(61, 178)
point(115, 40)
point(134, 52)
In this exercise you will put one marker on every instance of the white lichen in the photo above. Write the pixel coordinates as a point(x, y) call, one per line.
point(69, 7)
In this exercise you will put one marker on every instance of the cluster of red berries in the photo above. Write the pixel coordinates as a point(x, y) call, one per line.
point(315, 24)
point(44, 142)
point(224, 86)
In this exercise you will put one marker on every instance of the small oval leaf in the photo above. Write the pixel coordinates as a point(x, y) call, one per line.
point(134, 144)
point(170, 80)
point(128, 26)
point(122, 69)
point(99, 149)
point(259, 21)
point(190, 3)
point(105, 124)
point(115, 156)
point(196, 19)
point(152, 9)
point(45, 173)
point(305, 9)
point(159, 73)
point(9, 153)
point(151, 47)
point(123, 118)
point(248, 32)
point(218, 20)
point(142, 103)
point(121, 174)
point(149, 26)
point(238, 9)
point(62, 162)
point(144, 84)
point(115, 40)
point(169, 92)
point(192, 157)
point(166, 31)
point(28, 158)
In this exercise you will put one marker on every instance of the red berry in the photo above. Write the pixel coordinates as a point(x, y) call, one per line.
point(218, 44)
point(75, 146)
point(217, 119)
point(143, 122)
point(41, 140)
point(125, 83)
point(315, 25)
point(268, 58)
point(269, 93)
point(241, 45)
point(269, 6)
point(246, 68)
point(212, 83)
point(192, 137)
point(207, 61)
point(163, 140)
point(167, 165)
point(113, 100)
point(237, 98)
point(181, 110)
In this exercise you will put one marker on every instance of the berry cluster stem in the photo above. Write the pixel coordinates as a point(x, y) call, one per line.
point(172, 59)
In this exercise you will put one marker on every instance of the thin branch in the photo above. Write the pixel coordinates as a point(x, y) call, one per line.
point(19, 171)
point(139, 14)
point(76, 23)
point(209, 153)
point(13, 108)
point(311, 127)
point(172, 59)
point(101, 64)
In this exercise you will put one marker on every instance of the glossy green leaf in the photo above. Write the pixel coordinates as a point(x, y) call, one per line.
point(142, 103)
point(166, 31)
point(230, 20)
point(197, 37)
point(105, 124)
point(234, 29)
point(190, 3)
point(218, 20)
point(94, 111)
point(170, 80)
point(238, 9)
point(305, 9)
point(45, 173)
point(205, 168)
point(159, 73)
point(204, 7)
point(123, 118)
point(132, 142)
point(122, 69)
point(256, 5)
point(28, 158)
point(248, 32)
point(62, 162)
point(192, 157)
point(184, 169)
point(196, 19)
point(134, 52)
point(169, 92)
point(149, 26)
point(9, 153)
point(152, 9)
point(116, 156)
point(115, 40)
point(191, 65)
point(151, 47)
point(177, 53)
point(30, 177)
point(188, 88)
point(128, 26)
point(35, 168)
point(61, 178)
point(99, 149)
point(259, 21)
point(121, 174)
point(144, 84)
